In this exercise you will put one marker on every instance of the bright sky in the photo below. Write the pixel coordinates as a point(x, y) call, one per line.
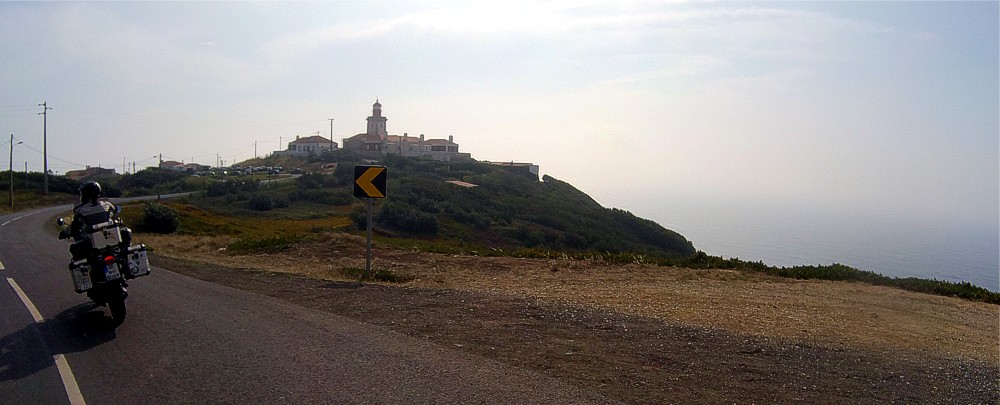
point(855, 108)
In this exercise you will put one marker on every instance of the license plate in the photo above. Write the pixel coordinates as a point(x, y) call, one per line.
point(111, 273)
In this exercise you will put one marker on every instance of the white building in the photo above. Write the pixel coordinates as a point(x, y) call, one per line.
point(310, 145)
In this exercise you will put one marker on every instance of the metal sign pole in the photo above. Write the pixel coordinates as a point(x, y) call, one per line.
point(368, 257)
point(369, 184)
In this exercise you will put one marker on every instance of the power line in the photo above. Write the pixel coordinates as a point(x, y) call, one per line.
point(53, 157)
point(174, 123)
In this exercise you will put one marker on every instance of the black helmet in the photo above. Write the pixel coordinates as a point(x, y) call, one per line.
point(90, 191)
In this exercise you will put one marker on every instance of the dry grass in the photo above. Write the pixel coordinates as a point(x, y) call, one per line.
point(201, 222)
point(823, 312)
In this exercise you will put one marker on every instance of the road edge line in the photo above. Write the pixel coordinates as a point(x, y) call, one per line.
point(65, 372)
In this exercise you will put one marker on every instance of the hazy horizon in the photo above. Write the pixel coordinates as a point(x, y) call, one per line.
point(868, 111)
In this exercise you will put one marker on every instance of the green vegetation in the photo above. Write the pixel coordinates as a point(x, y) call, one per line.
point(383, 275)
point(149, 182)
point(271, 244)
point(507, 211)
point(840, 272)
point(158, 218)
point(511, 210)
point(29, 191)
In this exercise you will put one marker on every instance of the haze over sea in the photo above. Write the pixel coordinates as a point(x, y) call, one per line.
point(789, 236)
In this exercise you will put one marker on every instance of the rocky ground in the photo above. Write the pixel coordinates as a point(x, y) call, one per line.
point(639, 333)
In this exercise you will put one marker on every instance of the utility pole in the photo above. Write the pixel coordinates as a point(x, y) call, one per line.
point(331, 134)
point(255, 149)
point(45, 144)
point(159, 176)
point(11, 169)
point(12, 172)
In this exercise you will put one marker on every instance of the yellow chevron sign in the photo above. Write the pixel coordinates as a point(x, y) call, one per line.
point(369, 181)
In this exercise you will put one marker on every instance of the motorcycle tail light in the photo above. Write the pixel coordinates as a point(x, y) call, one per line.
point(109, 259)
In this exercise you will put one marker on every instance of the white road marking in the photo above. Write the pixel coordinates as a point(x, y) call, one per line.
point(5, 223)
point(24, 298)
point(69, 381)
point(17, 219)
point(1, 266)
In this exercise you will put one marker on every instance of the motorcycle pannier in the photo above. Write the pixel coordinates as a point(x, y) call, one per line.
point(138, 263)
point(81, 276)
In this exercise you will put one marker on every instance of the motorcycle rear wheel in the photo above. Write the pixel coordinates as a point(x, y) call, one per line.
point(117, 308)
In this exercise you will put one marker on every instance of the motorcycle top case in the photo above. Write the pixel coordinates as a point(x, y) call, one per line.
point(103, 238)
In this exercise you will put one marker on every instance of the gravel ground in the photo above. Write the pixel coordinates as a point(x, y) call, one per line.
point(645, 335)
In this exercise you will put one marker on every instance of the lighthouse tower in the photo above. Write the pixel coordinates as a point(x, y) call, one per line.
point(376, 123)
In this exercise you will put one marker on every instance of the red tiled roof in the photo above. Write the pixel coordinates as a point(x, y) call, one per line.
point(366, 138)
point(312, 139)
point(400, 138)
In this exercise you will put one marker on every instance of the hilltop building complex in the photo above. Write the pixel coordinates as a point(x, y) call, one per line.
point(376, 142)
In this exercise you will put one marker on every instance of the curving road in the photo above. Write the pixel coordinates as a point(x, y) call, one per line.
point(188, 341)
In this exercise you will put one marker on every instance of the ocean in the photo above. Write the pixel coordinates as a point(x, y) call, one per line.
point(883, 245)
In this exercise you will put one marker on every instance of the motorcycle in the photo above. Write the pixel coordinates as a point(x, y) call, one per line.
point(102, 263)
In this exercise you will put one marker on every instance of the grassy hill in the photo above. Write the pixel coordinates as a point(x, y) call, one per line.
point(514, 209)
point(505, 210)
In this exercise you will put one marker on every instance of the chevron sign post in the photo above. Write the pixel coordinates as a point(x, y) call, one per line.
point(369, 183)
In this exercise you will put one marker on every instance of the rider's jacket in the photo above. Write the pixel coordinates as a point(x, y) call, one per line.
point(89, 214)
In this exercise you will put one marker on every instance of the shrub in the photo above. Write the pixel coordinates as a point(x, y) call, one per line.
point(261, 202)
point(388, 276)
point(359, 215)
point(231, 187)
point(320, 196)
point(404, 218)
point(159, 218)
point(383, 275)
point(309, 181)
point(271, 244)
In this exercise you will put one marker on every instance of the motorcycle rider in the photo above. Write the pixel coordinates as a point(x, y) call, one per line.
point(92, 211)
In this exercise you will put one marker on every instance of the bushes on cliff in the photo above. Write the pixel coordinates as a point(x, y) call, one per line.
point(159, 218)
point(403, 218)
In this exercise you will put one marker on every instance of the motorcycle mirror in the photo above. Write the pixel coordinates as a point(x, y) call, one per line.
point(60, 222)
point(118, 209)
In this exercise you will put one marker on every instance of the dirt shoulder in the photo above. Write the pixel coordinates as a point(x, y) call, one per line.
point(641, 333)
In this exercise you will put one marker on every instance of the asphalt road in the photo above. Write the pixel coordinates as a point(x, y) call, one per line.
point(188, 341)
